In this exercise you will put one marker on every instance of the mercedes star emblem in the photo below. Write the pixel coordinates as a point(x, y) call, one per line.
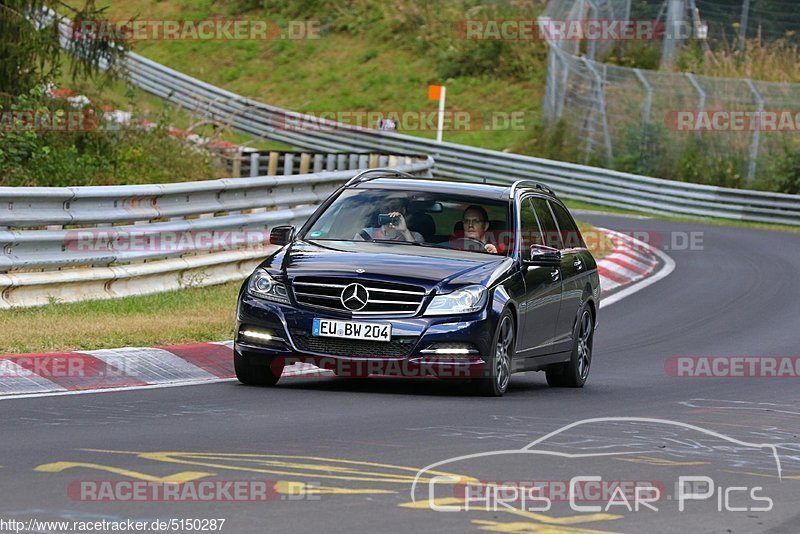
point(354, 297)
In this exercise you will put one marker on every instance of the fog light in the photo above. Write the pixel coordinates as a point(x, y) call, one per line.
point(451, 349)
point(260, 336)
point(254, 334)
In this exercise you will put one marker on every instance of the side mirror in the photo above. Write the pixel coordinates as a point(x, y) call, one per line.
point(281, 235)
point(544, 256)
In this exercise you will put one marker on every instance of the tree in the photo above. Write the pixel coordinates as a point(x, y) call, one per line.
point(30, 46)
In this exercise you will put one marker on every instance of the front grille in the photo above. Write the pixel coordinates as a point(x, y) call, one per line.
point(397, 348)
point(385, 298)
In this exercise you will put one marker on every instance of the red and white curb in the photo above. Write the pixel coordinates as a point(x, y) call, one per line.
point(632, 266)
point(61, 373)
point(630, 261)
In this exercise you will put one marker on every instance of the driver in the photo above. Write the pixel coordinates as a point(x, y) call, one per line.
point(394, 231)
point(476, 222)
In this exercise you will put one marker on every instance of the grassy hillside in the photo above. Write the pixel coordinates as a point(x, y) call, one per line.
point(371, 56)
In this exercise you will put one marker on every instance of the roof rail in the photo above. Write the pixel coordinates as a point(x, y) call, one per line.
point(363, 176)
point(529, 183)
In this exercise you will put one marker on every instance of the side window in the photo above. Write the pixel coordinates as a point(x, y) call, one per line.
point(529, 227)
point(570, 235)
point(549, 227)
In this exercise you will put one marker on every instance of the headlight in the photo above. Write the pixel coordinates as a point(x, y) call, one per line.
point(465, 300)
point(263, 286)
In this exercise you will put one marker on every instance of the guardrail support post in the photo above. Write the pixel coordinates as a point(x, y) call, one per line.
point(288, 164)
point(254, 164)
point(272, 167)
point(305, 163)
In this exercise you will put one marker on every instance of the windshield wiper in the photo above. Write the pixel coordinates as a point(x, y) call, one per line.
point(415, 243)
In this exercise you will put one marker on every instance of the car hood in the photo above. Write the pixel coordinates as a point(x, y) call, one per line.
point(429, 267)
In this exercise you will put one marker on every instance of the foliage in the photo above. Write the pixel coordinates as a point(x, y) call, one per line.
point(31, 51)
point(433, 28)
point(101, 154)
point(785, 168)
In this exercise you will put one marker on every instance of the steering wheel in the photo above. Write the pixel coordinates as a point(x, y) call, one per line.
point(467, 243)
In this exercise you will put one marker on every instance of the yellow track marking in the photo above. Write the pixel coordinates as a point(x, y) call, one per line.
point(525, 528)
point(279, 466)
point(177, 478)
point(541, 518)
point(286, 487)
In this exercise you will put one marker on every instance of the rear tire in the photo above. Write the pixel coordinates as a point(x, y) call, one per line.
point(499, 365)
point(575, 372)
point(257, 375)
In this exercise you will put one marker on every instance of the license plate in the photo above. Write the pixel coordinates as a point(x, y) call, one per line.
point(352, 330)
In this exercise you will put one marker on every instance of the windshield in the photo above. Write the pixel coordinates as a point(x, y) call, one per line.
point(416, 218)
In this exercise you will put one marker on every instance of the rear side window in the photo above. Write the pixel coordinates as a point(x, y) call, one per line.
point(548, 223)
point(570, 235)
point(531, 232)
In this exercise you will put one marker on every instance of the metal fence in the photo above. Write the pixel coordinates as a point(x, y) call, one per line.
point(460, 162)
point(72, 243)
point(631, 119)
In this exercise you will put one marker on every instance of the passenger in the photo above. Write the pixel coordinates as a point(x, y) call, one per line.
point(396, 229)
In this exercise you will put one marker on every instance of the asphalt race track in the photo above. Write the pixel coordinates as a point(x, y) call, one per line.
point(341, 455)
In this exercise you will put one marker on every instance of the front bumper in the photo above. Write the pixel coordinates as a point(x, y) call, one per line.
point(286, 334)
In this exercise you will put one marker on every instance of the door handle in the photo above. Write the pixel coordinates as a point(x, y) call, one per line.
point(578, 264)
point(554, 274)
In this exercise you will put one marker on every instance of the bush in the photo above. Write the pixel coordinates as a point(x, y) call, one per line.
point(785, 169)
point(101, 156)
point(643, 150)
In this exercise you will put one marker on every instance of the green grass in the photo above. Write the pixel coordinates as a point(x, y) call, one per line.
point(341, 71)
point(187, 316)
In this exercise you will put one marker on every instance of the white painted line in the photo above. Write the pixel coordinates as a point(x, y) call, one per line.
point(115, 390)
point(18, 380)
point(293, 370)
point(666, 269)
point(154, 366)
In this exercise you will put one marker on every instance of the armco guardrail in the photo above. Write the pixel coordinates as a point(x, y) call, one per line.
point(459, 162)
point(73, 243)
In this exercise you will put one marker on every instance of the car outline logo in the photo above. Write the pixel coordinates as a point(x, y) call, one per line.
point(354, 297)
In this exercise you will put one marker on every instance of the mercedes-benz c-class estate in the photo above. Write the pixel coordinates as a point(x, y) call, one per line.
point(395, 274)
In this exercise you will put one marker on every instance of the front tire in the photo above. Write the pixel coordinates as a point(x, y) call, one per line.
point(499, 365)
point(257, 375)
point(575, 372)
